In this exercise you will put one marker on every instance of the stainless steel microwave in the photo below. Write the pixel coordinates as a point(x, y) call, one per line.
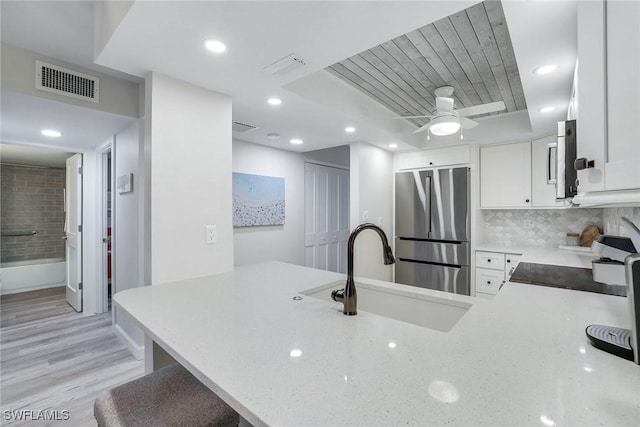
point(561, 156)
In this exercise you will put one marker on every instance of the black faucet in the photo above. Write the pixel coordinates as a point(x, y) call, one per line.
point(348, 295)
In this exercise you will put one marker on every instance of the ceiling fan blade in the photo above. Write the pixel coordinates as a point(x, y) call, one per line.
point(423, 128)
point(467, 123)
point(412, 117)
point(482, 109)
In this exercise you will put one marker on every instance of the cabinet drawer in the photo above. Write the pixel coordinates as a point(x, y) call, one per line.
point(492, 260)
point(488, 281)
point(510, 263)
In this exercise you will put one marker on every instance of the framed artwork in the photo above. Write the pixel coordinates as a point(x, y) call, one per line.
point(258, 200)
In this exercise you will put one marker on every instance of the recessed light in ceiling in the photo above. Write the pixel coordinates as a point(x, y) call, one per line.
point(51, 133)
point(545, 69)
point(296, 141)
point(393, 145)
point(274, 101)
point(215, 46)
point(349, 129)
point(273, 135)
point(547, 109)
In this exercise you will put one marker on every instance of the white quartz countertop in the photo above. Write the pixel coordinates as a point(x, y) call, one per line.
point(521, 359)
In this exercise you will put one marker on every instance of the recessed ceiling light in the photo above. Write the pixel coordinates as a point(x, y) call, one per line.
point(296, 141)
point(546, 69)
point(274, 101)
point(393, 145)
point(215, 46)
point(349, 129)
point(51, 133)
point(273, 135)
point(547, 109)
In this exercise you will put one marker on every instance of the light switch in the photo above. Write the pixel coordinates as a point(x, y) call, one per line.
point(212, 235)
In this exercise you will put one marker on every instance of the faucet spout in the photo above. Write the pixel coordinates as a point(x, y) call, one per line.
point(349, 297)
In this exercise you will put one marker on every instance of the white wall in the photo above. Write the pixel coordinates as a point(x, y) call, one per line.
point(188, 129)
point(279, 242)
point(282, 243)
point(371, 190)
point(117, 96)
point(125, 232)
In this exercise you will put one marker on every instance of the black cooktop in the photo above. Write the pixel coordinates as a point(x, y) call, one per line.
point(556, 276)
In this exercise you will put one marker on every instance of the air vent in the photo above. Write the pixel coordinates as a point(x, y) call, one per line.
point(242, 127)
point(286, 65)
point(62, 81)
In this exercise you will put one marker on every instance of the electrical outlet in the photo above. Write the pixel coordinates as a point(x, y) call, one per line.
point(365, 215)
point(212, 235)
point(527, 223)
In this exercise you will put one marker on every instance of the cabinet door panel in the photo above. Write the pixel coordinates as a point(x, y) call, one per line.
point(623, 91)
point(505, 175)
point(590, 118)
point(488, 281)
point(543, 192)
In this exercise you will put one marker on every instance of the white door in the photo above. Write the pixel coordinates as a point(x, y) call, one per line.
point(73, 231)
point(326, 217)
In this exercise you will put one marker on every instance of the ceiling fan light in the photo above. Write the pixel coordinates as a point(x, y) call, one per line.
point(444, 125)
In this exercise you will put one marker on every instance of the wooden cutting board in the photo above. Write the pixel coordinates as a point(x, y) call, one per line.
point(589, 234)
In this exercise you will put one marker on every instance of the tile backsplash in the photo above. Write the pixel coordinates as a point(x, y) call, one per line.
point(613, 224)
point(535, 228)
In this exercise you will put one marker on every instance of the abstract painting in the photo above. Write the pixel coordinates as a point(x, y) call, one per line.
point(257, 200)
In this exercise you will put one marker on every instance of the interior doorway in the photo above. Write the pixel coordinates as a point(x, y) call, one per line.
point(106, 227)
point(326, 217)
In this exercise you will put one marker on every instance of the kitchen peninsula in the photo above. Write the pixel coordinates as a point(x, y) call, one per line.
point(519, 359)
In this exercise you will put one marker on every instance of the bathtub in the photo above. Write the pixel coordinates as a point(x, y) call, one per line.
point(21, 276)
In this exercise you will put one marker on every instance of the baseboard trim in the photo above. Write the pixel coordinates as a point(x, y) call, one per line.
point(135, 349)
point(30, 288)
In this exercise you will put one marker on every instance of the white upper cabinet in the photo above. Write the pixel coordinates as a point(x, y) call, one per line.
point(543, 187)
point(608, 113)
point(505, 176)
point(432, 158)
point(591, 99)
point(622, 170)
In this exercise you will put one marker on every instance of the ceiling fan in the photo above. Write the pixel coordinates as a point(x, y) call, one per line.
point(446, 120)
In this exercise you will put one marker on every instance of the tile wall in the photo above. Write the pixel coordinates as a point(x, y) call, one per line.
point(32, 199)
point(613, 224)
point(535, 228)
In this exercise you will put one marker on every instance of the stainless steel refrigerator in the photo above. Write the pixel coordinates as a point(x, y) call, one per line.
point(432, 229)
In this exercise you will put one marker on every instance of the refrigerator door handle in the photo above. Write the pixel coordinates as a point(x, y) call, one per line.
point(427, 192)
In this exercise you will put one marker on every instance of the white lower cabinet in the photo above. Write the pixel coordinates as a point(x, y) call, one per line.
point(493, 270)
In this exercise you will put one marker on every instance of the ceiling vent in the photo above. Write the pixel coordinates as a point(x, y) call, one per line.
point(242, 127)
point(63, 81)
point(286, 65)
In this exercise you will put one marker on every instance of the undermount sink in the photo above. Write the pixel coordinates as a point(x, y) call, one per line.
point(421, 310)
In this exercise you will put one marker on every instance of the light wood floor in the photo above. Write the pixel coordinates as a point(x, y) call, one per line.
point(56, 359)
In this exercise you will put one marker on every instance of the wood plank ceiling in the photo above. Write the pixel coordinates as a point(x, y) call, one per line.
point(470, 51)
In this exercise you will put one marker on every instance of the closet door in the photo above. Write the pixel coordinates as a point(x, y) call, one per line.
point(326, 217)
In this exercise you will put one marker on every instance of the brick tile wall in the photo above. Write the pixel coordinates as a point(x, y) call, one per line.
point(32, 198)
